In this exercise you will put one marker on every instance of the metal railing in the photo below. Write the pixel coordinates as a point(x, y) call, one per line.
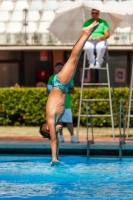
point(89, 141)
point(122, 127)
point(49, 39)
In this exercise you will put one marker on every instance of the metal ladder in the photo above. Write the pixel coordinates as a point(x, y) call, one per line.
point(121, 131)
point(89, 142)
point(129, 102)
point(122, 124)
point(95, 100)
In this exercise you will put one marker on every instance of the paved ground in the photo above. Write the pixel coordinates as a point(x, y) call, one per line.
point(31, 133)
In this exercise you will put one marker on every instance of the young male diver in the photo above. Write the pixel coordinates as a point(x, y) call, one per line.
point(56, 101)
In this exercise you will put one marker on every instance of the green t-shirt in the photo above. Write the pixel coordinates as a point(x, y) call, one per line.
point(103, 26)
point(68, 102)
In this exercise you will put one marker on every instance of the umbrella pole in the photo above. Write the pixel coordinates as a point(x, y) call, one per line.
point(83, 14)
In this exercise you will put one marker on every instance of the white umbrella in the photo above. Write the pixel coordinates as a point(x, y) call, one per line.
point(68, 21)
point(127, 8)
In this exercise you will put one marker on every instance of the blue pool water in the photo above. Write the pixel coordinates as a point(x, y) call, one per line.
point(32, 177)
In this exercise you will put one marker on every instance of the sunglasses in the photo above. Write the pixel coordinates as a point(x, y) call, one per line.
point(94, 13)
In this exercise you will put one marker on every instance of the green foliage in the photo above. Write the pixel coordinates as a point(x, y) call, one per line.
point(26, 106)
point(100, 107)
point(22, 106)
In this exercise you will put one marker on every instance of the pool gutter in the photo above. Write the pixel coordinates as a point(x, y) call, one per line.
point(66, 148)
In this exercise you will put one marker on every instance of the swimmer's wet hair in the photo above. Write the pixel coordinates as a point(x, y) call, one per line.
point(43, 131)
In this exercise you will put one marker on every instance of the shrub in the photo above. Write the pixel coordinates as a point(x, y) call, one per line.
point(26, 106)
point(100, 107)
point(22, 106)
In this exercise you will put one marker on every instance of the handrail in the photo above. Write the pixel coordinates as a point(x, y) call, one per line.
point(92, 140)
point(117, 39)
point(122, 123)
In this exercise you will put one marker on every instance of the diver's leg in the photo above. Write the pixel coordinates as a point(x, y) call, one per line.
point(68, 71)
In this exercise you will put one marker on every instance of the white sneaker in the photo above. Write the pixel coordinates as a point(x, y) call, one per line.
point(61, 138)
point(74, 139)
point(91, 66)
point(97, 66)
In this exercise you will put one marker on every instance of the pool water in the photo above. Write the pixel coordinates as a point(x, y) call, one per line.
point(32, 177)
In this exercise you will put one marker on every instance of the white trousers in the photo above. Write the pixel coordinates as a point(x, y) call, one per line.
point(91, 46)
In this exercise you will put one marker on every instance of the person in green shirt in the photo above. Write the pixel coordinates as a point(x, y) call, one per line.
point(97, 40)
point(55, 105)
point(67, 116)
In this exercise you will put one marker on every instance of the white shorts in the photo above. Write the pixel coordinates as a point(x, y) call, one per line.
point(67, 116)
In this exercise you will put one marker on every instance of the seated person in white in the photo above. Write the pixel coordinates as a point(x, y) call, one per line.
point(97, 40)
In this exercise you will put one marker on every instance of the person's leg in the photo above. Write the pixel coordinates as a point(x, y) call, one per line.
point(67, 118)
point(70, 128)
point(61, 137)
point(68, 71)
point(89, 49)
point(100, 49)
point(61, 130)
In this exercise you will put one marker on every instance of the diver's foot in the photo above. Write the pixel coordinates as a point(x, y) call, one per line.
point(90, 28)
point(55, 162)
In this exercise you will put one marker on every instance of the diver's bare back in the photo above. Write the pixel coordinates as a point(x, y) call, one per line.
point(55, 105)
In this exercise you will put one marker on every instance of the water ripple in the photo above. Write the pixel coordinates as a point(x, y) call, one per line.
point(73, 179)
